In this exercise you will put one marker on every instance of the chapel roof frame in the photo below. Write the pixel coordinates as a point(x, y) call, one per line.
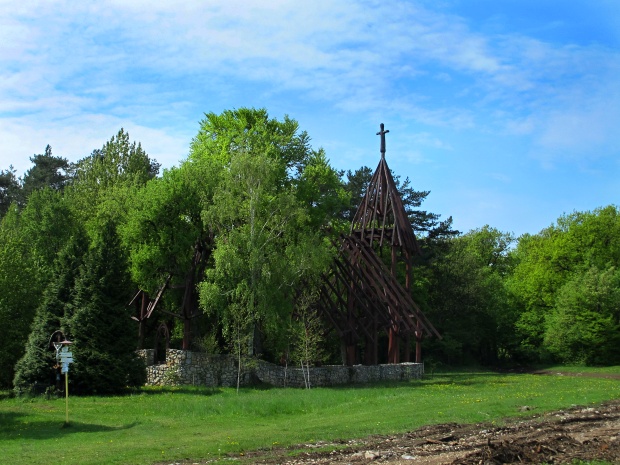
point(361, 295)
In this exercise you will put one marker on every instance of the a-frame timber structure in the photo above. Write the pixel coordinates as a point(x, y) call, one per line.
point(189, 306)
point(361, 295)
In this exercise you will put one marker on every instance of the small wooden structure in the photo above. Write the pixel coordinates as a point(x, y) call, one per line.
point(189, 308)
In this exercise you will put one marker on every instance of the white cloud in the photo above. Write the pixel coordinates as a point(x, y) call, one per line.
point(73, 139)
point(64, 63)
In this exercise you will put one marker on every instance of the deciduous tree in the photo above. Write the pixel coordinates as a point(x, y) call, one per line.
point(584, 325)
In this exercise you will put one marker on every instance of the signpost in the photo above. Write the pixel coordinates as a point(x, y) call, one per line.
point(64, 357)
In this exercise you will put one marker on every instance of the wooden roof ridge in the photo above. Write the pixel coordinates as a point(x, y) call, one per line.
point(381, 215)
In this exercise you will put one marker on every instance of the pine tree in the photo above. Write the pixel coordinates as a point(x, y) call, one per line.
point(36, 366)
point(104, 339)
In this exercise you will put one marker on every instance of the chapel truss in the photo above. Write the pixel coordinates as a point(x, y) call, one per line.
point(363, 295)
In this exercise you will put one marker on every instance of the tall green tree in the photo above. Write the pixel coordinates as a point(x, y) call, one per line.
point(30, 240)
point(20, 288)
point(584, 325)
point(272, 197)
point(10, 189)
point(168, 242)
point(560, 254)
point(36, 366)
point(106, 182)
point(48, 171)
point(264, 248)
point(469, 301)
point(104, 341)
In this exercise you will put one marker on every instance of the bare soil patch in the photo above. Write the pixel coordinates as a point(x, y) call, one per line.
point(578, 433)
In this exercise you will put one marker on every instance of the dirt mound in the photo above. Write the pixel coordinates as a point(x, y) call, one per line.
point(563, 436)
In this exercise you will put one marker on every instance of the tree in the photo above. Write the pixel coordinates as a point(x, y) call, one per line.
point(168, 241)
point(251, 130)
point(29, 243)
point(547, 261)
point(307, 333)
point(584, 325)
point(104, 341)
point(469, 302)
point(48, 171)
point(19, 292)
point(256, 258)
point(272, 195)
point(47, 221)
point(10, 189)
point(106, 182)
point(322, 193)
point(36, 366)
point(117, 161)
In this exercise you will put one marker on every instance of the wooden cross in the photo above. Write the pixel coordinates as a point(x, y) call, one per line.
point(382, 133)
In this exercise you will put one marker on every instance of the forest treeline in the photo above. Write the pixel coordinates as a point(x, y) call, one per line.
point(239, 235)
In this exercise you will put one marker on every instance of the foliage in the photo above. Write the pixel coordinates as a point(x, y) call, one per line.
point(116, 162)
point(307, 334)
point(36, 366)
point(555, 265)
point(245, 222)
point(469, 303)
point(253, 226)
point(20, 287)
point(162, 227)
point(29, 243)
point(10, 189)
point(104, 341)
point(47, 222)
point(106, 182)
point(48, 171)
point(584, 326)
point(272, 195)
point(249, 130)
point(322, 193)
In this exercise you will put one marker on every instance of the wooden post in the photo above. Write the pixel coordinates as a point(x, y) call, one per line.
point(66, 397)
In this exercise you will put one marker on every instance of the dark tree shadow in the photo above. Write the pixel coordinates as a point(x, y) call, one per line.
point(15, 425)
point(194, 390)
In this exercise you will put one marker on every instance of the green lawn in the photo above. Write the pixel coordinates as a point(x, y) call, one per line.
point(168, 425)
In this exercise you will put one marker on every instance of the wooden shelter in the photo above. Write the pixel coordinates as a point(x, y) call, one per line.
point(362, 295)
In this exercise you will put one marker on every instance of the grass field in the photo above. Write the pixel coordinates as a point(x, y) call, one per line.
point(156, 425)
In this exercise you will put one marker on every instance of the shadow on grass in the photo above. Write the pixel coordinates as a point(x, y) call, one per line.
point(202, 390)
point(16, 426)
point(461, 379)
point(196, 390)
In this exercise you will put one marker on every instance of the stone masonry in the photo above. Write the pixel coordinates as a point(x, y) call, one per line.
point(199, 369)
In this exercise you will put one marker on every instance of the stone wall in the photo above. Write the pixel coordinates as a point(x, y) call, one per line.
point(194, 368)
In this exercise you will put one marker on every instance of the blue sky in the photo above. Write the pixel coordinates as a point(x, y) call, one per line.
point(507, 111)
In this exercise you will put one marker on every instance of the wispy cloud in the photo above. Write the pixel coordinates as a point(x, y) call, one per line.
point(151, 65)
